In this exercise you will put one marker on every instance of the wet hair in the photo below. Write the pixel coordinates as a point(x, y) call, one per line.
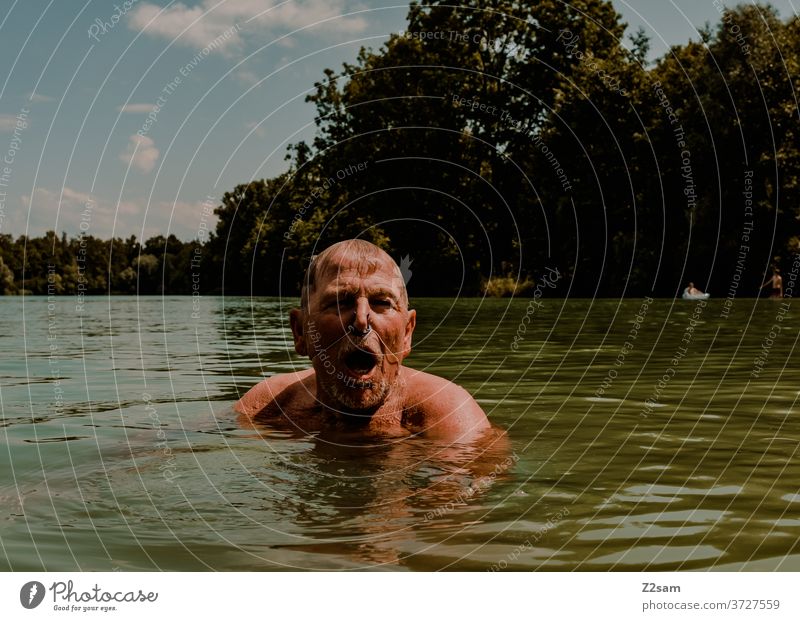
point(366, 254)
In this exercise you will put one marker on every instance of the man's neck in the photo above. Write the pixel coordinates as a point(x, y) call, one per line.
point(383, 417)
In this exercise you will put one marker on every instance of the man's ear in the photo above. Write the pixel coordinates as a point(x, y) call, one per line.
point(298, 331)
point(411, 323)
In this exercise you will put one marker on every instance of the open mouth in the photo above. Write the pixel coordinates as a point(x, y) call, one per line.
point(360, 362)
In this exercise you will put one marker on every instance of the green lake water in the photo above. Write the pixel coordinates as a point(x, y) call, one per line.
point(119, 450)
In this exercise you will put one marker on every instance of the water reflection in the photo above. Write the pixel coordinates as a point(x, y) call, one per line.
point(367, 500)
point(708, 478)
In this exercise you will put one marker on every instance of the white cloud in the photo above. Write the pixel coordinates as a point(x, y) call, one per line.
point(7, 122)
point(193, 25)
point(245, 76)
point(297, 14)
point(37, 98)
point(197, 26)
point(46, 210)
point(141, 153)
point(136, 108)
point(258, 129)
point(73, 211)
point(191, 220)
point(74, 196)
point(68, 197)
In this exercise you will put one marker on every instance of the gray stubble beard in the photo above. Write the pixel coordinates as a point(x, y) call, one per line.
point(343, 395)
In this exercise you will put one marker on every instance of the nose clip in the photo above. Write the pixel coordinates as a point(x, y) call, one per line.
point(356, 332)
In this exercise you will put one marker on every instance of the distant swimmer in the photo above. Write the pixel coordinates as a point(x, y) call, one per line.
point(693, 293)
point(355, 326)
point(777, 284)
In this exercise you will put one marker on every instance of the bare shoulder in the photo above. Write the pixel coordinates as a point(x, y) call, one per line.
point(266, 391)
point(442, 407)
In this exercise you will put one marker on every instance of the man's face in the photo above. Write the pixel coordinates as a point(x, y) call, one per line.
point(356, 371)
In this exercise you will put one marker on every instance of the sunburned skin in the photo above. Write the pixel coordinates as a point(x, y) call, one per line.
point(355, 326)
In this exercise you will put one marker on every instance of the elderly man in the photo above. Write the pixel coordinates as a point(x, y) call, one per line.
point(355, 326)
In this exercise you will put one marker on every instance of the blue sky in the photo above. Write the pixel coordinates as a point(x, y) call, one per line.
point(125, 117)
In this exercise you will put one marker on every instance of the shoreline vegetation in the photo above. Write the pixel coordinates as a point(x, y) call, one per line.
point(490, 156)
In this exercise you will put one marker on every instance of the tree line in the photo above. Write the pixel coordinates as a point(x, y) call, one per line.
point(53, 265)
point(493, 141)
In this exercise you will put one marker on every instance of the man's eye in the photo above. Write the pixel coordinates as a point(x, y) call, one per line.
point(382, 303)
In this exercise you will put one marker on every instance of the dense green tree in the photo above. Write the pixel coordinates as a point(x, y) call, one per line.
point(659, 171)
point(424, 147)
point(6, 279)
point(494, 140)
point(89, 265)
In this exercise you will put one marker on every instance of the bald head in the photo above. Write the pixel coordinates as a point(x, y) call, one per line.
point(365, 255)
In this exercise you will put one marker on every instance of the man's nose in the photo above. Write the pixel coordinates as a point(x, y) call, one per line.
point(361, 320)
